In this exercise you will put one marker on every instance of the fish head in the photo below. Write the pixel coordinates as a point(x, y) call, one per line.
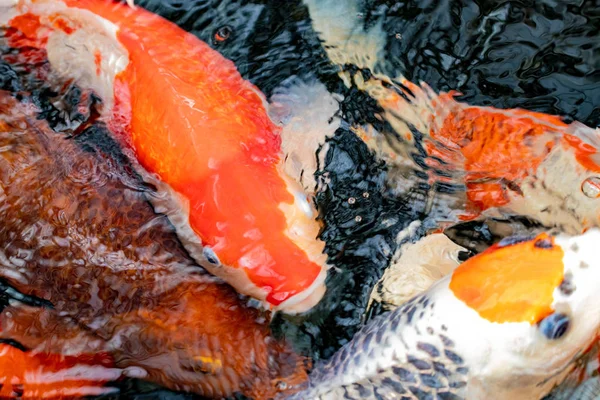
point(201, 133)
point(533, 309)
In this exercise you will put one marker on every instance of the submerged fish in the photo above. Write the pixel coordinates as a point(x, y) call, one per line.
point(200, 133)
point(79, 235)
point(31, 375)
point(509, 323)
point(489, 161)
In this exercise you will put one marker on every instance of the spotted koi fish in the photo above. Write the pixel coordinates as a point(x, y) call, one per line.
point(487, 161)
point(509, 323)
point(201, 135)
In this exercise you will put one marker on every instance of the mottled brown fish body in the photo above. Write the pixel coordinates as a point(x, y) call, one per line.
point(75, 234)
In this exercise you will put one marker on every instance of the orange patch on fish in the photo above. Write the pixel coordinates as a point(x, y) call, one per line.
point(62, 24)
point(36, 375)
point(192, 120)
point(495, 148)
point(98, 61)
point(584, 152)
point(512, 283)
point(27, 26)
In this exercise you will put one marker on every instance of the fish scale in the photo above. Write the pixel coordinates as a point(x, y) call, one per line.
point(409, 357)
point(487, 330)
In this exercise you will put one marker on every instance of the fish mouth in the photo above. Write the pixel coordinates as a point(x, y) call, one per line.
point(307, 299)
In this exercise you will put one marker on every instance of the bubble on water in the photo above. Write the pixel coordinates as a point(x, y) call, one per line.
point(591, 187)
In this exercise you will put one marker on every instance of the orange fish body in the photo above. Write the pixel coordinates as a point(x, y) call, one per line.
point(513, 161)
point(119, 281)
point(30, 375)
point(201, 134)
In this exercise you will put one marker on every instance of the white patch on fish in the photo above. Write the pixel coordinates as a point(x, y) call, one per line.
point(73, 56)
point(414, 268)
point(306, 112)
point(340, 25)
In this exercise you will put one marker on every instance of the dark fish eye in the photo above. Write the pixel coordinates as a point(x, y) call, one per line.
point(464, 255)
point(555, 325)
point(223, 33)
point(210, 256)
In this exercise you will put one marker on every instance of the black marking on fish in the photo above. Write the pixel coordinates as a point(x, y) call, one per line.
point(512, 240)
point(410, 314)
point(418, 363)
point(431, 381)
point(567, 287)
point(396, 385)
point(464, 255)
point(429, 349)
point(458, 384)
point(421, 394)
point(462, 370)
point(446, 340)
point(7, 292)
point(448, 396)
point(441, 369)
point(543, 244)
point(404, 374)
point(452, 356)
point(366, 344)
point(362, 390)
point(9, 79)
point(15, 344)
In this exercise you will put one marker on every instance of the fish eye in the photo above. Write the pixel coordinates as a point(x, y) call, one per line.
point(210, 256)
point(223, 33)
point(464, 255)
point(555, 326)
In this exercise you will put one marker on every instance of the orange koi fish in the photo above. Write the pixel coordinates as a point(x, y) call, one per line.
point(78, 235)
point(511, 161)
point(200, 133)
point(31, 375)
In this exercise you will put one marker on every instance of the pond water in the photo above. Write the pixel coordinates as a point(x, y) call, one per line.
point(91, 261)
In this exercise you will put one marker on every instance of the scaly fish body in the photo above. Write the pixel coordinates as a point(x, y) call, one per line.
point(201, 134)
point(78, 234)
point(512, 162)
point(508, 323)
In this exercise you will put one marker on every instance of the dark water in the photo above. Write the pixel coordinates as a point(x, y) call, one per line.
point(539, 55)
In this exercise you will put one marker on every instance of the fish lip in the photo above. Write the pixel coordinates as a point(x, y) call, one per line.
point(307, 299)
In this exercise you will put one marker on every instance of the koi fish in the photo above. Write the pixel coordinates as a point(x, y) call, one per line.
point(31, 375)
point(201, 135)
point(419, 265)
point(491, 161)
point(77, 233)
point(508, 323)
